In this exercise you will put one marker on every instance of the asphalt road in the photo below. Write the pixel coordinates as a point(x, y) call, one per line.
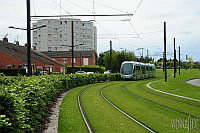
point(195, 82)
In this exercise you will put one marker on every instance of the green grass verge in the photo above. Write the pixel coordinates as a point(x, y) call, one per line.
point(178, 85)
point(102, 116)
point(153, 116)
point(70, 119)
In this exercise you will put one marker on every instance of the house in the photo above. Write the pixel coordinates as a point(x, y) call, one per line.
point(15, 56)
point(80, 57)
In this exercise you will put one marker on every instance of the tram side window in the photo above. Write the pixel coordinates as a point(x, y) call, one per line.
point(143, 69)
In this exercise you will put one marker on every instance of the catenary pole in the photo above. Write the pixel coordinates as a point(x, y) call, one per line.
point(179, 60)
point(174, 59)
point(111, 56)
point(165, 65)
point(29, 38)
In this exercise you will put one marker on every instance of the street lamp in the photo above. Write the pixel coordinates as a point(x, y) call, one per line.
point(73, 54)
point(28, 40)
point(124, 54)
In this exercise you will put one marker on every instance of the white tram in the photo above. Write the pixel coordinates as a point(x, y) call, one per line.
point(136, 70)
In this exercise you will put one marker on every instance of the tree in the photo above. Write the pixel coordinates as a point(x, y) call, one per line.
point(190, 62)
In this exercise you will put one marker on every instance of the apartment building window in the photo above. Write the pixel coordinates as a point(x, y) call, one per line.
point(60, 22)
point(39, 23)
point(55, 43)
point(49, 42)
point(88, 31)
point(64, 60)
point(34, 32)
point(49, 22)
point(84, 37)
point(49, 29)
point(77, 35)
point(60, 42)
point(89, 43)
point(77, 28)
point(76, 22)
point(60, 35)
point(65, 35)
point(55, 29)
point(55, 36)
point(84, 31)
point(55, 48)
point(77, 41)
point(49, 48)
point(34, 38)
point(60, 29)
point(89, 37)
point(84, 42)
point(39, 42)
point(65, 41)
point(34, 44)
point(83, 24)
point(65, 29)
point(55, 23)
point(39, 36)
point(49, 35)
point(34, 26)
point(65, 22)
point(88, 25)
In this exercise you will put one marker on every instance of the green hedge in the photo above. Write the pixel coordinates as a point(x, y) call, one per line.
point(26, 101)
point(86, 68)
point(13, 72)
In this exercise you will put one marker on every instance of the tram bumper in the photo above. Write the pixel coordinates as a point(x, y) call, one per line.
point(127, 77)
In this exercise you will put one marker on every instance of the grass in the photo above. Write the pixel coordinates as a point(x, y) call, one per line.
point(178, 86)
point(105, 118)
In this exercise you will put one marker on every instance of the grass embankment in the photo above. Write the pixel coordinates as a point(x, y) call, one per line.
point(105, 118)
point(178, 85)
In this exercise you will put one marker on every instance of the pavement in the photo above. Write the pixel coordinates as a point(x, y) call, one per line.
point(53, 125)
point(195, 82)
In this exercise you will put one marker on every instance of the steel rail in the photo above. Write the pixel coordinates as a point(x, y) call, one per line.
point(147, 128)
point(89, 127)
point(157, 103)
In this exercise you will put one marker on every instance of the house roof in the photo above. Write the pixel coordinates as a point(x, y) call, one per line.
point(61, 54)
point(9, 48)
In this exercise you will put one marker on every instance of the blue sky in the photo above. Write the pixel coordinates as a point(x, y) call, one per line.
point(142, 30)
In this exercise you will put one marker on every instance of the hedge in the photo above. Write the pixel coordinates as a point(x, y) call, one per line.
point(26, 101)
point(86, 68)
point(13, 72)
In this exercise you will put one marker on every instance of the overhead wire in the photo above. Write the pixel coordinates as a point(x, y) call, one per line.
point(60, 6)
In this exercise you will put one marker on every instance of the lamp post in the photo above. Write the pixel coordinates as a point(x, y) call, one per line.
point(28, 39)
point(124, 53)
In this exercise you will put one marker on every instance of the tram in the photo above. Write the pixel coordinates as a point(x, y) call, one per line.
point(136, 70)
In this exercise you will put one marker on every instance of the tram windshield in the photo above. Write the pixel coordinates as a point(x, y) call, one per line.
point(127, 68)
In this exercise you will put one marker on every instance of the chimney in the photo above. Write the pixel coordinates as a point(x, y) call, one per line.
point(5, 39)
point(25, 45)
point(17, 42)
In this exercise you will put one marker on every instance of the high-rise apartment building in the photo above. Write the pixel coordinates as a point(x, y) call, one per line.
point(57, 35)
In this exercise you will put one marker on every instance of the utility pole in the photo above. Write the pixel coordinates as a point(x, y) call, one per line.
point(29, 38)
point(72, 47)
point(165, 42)
point(80, 61)
point(174, 60)
point(179, 60)
point(111, 56)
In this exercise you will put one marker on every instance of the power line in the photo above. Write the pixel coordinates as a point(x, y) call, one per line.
point(136, 9)
point(107, 6)
point(79, 6)
point(81, 15)
point(60, 6)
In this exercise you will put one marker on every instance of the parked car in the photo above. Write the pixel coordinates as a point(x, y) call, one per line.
point(43, 72)
point(107, 72)
point(89, 72)
point(80, 72)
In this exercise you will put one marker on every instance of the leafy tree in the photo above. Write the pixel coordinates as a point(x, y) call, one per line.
point(190, 62)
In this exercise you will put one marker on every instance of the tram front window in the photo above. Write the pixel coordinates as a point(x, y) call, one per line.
point(127, 69)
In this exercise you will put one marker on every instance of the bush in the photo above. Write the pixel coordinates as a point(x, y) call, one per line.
point(86, 68)
point(13, 72)
point(26, 101)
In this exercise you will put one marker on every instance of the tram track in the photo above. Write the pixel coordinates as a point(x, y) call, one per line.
point(135, 120)
point(157, 103)
point(166, 97)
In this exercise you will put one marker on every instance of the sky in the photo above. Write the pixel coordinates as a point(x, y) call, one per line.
point(144, 29)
